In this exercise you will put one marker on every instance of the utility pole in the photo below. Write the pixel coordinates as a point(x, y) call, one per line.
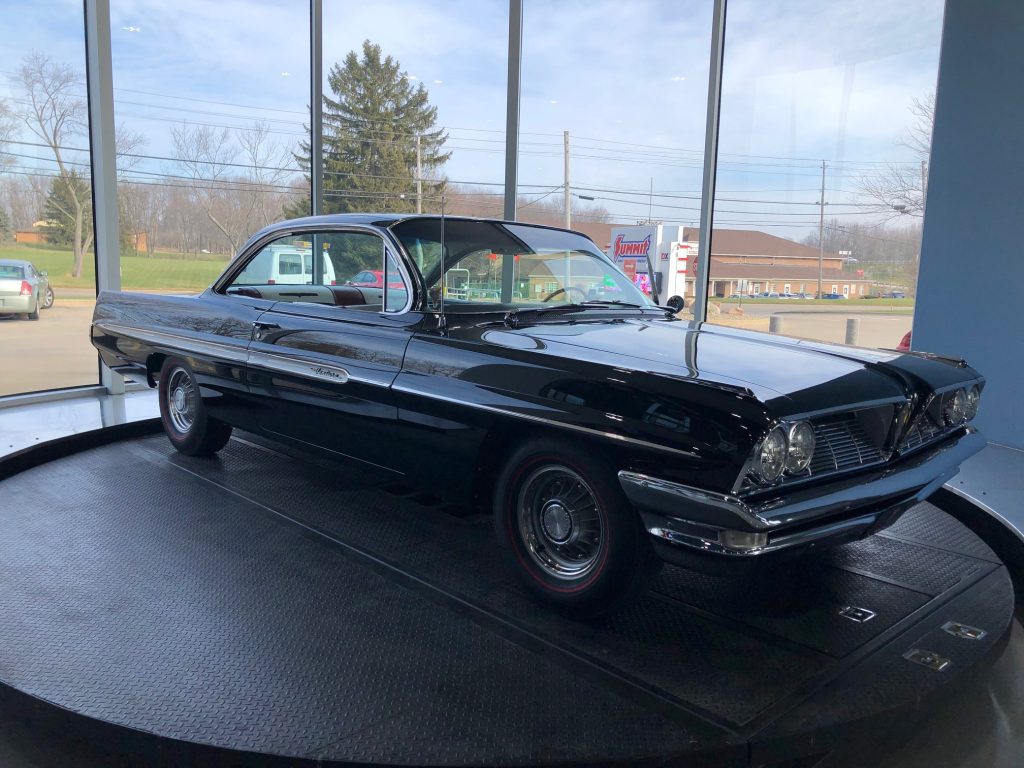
point(419, 177)
point(821, 228)
point(567, 189)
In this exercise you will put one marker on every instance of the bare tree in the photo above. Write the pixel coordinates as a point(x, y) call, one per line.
point(25, 197)
point(206, 156)
point(7, 125)
point(55, 111)
point(268, 168)
point(901, 187)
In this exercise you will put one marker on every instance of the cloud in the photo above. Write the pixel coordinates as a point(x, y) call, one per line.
point(802, 78)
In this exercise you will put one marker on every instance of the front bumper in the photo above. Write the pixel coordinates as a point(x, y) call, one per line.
point(840, 510)
point(10, 305)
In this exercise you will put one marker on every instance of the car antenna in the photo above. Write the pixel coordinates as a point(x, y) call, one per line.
point(443, 321)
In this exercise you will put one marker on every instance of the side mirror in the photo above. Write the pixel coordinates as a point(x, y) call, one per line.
point(675, 303)
point(44, 274)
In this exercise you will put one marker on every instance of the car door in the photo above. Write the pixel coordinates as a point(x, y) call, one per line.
point(322, 359)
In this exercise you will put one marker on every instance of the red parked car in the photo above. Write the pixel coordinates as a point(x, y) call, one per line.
point(372, 278)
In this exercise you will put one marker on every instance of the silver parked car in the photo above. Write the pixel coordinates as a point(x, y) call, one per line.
point(24, 290)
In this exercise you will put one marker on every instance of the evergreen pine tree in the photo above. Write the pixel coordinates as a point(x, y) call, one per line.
point(59, 210)
point(5, 226)
point(370, 129)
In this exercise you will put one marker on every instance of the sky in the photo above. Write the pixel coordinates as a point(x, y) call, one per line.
point(803, 82)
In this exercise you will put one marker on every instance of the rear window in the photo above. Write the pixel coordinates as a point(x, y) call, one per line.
point(12, 271)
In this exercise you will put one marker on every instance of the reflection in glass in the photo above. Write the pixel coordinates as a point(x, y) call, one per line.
point(47, 269)
point(824, 138)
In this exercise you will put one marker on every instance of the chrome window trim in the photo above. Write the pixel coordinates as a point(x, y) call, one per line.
point(249, 252)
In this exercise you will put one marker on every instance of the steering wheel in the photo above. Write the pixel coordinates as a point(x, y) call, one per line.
point(566, 291)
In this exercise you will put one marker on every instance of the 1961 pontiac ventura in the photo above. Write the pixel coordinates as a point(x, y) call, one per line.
point(515, 365)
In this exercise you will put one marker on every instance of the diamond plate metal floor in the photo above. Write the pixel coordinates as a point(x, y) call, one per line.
point(269, 601)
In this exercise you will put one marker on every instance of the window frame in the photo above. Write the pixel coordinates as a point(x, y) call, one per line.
point(388, 246)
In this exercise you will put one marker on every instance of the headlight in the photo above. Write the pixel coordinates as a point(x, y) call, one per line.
point(973, 398)
point(770, 459)
point(801, 447)
point(954, 408)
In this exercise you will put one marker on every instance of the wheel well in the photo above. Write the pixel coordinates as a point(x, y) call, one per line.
point(500, 442)
point(153, 365)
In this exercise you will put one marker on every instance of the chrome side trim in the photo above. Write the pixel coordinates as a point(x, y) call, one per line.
point(670, 509)
point(220, 351)
point(711, 542)
point(732, 505)
point(541, 420)
point(309, 369)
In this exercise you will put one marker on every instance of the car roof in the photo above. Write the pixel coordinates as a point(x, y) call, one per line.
point(386, 220)
point(14, 263)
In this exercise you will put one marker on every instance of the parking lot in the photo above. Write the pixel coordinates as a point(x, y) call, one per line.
point(50, 353)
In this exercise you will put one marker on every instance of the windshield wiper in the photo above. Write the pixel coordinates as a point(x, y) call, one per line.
point(609, 303)
point(512, 317)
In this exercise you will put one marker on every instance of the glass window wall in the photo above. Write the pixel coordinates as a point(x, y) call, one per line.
point(825, 130)
point(613, 112)
point(47, 269)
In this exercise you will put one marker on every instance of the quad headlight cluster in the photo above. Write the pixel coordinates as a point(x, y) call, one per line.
point(960, 405)
point(788, 448)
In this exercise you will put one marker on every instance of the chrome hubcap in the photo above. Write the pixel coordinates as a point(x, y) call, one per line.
point(559, 522)
point(181, 400)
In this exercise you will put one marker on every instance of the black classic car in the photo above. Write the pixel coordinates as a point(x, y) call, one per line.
point(516, 366)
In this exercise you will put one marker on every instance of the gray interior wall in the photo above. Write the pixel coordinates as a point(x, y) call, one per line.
point(971, 286)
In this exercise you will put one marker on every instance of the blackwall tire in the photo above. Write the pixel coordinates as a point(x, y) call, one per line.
point(188, 425)
point(48, 299)
point(568, 530)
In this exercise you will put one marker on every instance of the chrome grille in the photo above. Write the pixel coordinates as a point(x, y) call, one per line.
point(922, 431)
point(842, 443)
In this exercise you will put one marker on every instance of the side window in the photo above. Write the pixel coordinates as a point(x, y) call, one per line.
point(338, 268)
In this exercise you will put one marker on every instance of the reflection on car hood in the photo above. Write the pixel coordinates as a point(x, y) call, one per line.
point(798, 376)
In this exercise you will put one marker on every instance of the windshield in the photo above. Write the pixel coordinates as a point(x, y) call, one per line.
point(490, 266)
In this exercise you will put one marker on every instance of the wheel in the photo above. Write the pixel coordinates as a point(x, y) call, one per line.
point(34, 314)
point(48, 299)
point(188, 425)
point(569, 531)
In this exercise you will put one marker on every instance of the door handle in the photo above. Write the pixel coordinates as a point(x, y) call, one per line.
point(259, 330)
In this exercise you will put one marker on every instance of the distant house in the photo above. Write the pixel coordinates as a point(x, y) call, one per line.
point(33, 236)
point(749, 261)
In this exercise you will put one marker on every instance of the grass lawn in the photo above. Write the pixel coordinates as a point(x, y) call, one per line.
point(163, 272)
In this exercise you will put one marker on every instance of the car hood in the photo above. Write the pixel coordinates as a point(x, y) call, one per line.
point(789, 375)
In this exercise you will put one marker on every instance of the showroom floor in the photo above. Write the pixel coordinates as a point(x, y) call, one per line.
point(983, 728)
point(980, 725)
